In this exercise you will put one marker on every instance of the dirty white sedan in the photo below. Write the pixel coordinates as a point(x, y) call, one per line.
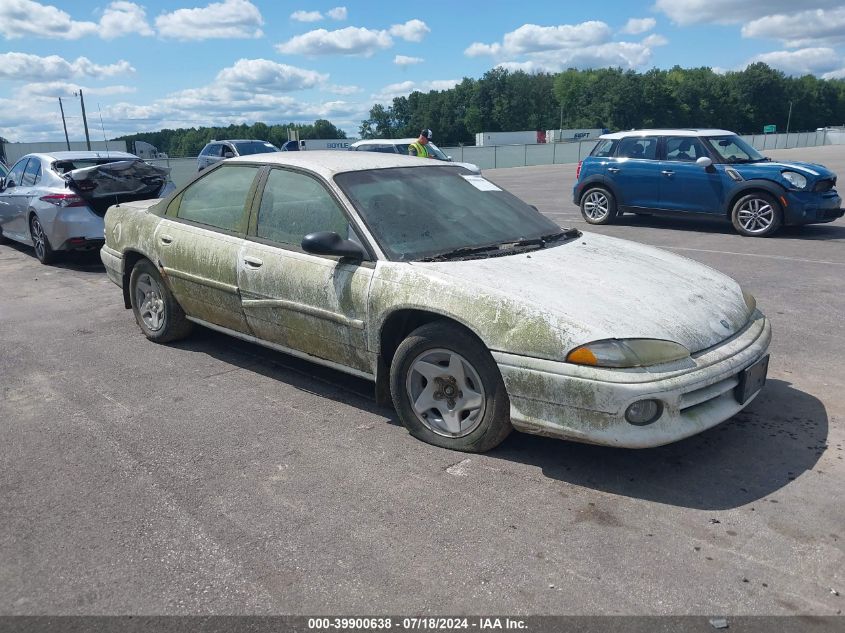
point(469, 309)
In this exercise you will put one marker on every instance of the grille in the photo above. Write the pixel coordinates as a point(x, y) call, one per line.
point(825, 184)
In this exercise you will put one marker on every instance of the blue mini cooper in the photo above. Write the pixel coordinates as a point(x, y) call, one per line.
point(710, 172)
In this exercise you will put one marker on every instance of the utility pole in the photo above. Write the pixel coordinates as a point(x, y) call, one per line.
point(84, 121)
point(789, 117)
point(64, 125)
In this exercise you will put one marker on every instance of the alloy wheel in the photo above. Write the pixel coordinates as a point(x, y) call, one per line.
point(596, 205)
point(756, 215)
point(150, 302)
point(446, 393)
point(39, 240)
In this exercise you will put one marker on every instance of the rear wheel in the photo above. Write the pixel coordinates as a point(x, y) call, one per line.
point(598, 206)
point(157, 312)
point(756, 215)
point(43, 251)
point(448, 391)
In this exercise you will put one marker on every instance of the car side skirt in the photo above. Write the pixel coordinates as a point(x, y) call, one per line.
point(284, 350)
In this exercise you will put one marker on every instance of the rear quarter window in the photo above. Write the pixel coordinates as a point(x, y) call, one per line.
point(604, 148)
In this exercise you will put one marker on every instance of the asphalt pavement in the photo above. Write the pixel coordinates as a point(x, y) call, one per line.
point(213, 476)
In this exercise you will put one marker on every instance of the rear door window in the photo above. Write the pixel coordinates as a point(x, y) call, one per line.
point(220, 199)
point(16, 175)
point(637, 147)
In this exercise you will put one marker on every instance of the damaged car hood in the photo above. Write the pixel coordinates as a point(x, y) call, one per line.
point(131, 178)
point(598, 287)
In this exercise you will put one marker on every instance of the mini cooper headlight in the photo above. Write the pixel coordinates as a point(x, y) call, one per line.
point(795, 179)
point(635, 352)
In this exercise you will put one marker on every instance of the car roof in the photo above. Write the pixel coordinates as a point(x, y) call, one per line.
point(669, 132)
point(238, 140)
point(327, 163)
point(82, 155)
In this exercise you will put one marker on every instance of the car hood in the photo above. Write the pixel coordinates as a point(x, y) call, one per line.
point(597, 287)
point(811, 171)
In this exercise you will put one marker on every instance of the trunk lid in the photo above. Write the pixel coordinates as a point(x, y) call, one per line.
point(121, 181)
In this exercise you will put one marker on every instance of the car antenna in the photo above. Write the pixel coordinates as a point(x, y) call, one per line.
point(106, 141)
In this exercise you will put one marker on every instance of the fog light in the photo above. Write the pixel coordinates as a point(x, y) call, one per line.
point(644, 412)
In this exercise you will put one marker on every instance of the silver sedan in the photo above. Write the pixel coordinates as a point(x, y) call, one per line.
point(56, 201)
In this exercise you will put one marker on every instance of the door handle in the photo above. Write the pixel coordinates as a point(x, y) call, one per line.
point(165, 239)
point(253, 262)
point(667, 172)
point(613, 170)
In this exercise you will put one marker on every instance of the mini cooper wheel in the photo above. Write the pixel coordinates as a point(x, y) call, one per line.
point(756, 215)
point(43, 251)
point(598, 206)
point(448, 391)
point(159, 316)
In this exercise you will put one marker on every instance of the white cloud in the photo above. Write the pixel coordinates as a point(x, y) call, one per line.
point(805, 61)
point(26, 18)
point(655, 39)
point(391, 91)
point(412, 30)
point(338, 13)
point(28, 67)
point(124, 18)
point(263, 75)
point(349, 41)
point(342, 90)
point(534, 48)
point(687, 12)
point(635, 26)
point(806, 28)
point(306, 16)
point(50, 90)
point(531, 38)
point(226, 19)
point(404, 60)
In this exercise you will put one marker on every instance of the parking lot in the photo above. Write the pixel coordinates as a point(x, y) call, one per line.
point(215, 476)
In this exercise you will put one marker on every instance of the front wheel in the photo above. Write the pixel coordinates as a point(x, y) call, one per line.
point(756, 215)
point(448, 391)
point(156, 310)
point(598, 206)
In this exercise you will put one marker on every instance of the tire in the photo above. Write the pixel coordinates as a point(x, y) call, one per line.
point(757, 215)
point(462, 401)
point(43, 251)
point(598, 206)
point(156, 311)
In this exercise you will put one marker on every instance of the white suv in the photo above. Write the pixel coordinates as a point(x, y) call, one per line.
point(215, 151)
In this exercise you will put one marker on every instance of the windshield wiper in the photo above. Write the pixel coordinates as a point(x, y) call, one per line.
point(499, 249)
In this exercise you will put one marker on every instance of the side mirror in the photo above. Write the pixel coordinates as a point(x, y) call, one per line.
point(7, 184)
point(330, 243)
point(228, 154)
point(704, 162)
point(449, 158)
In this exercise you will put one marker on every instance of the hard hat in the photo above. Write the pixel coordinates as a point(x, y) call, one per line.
point(426, 133)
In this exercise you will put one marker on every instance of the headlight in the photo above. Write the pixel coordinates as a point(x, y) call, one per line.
point(750, 301)
point(635, 352)
point(795, 179)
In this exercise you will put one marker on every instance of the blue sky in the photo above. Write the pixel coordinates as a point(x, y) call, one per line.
point(147, 65)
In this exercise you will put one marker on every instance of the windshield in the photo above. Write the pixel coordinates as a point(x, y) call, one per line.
point(733, 149)
point(255, 147)
point(419, 212)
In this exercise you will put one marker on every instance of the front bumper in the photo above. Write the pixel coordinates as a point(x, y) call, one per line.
point(587, 404)
point(812, 208)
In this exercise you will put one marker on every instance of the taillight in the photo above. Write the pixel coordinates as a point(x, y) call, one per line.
point(578, 171)
point(64, 200)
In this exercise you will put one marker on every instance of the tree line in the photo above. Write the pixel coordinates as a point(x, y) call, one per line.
point(501, 100)
point(190, 141)
point(742, 101)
